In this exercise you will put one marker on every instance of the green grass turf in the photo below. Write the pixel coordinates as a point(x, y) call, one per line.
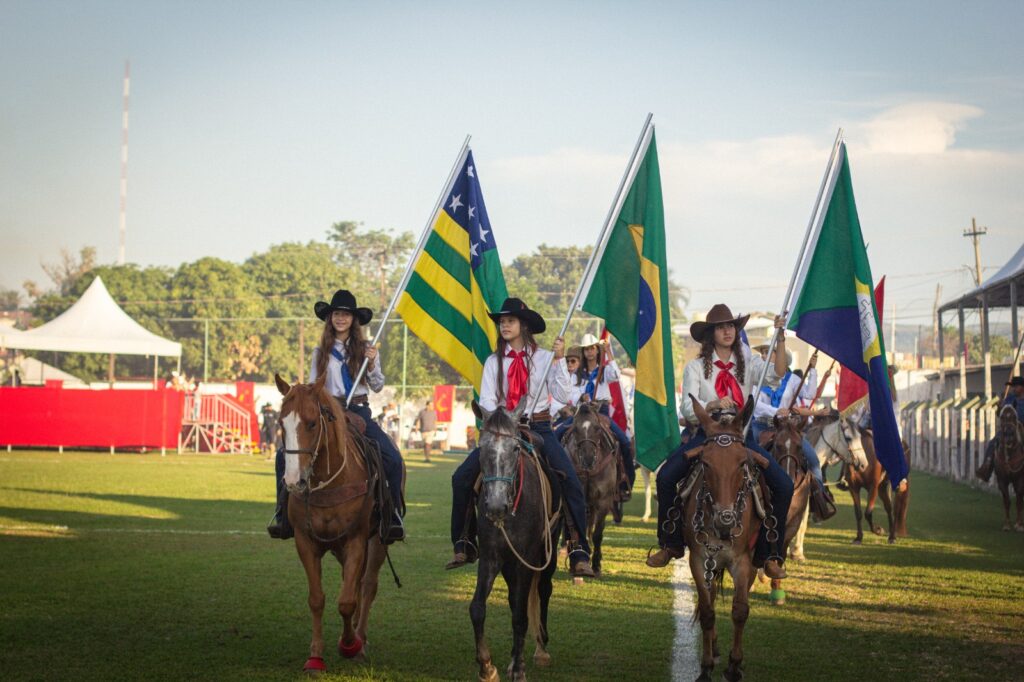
point(149, 567)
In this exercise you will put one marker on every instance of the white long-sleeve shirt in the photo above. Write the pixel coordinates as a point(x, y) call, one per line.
point(335, 384)
point(601, 389)
point(703, 388)
point(810, 388)
point(554, 385)
point(763, 408)
point(575, 391)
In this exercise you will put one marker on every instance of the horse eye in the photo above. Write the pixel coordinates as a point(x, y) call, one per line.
point(310, 426)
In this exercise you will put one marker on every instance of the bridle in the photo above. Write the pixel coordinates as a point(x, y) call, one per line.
point(521, 445)
point(595, 443)
point(325, 415)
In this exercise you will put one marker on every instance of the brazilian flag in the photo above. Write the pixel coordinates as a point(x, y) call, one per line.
point(629, 289)
point(835, 310)
point(457, 279)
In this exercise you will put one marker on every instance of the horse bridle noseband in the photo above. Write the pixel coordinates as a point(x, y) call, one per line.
point(325, 416)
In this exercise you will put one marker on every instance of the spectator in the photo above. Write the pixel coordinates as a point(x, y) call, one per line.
point(426, 422)
point(268, 432)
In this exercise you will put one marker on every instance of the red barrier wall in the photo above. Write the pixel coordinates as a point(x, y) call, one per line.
point(51, 417)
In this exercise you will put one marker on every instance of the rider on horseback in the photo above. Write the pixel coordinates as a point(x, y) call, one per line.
point(722, 377)
point(513, 373)
point(561, 413)
point(1015, 399)
point(592, 379)
point(340, 354)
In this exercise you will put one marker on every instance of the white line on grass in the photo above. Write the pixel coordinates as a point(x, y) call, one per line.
point(685, 662)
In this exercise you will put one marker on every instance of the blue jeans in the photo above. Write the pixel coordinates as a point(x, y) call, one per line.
point(625, 446)
point(572, 491)
point(389, 454)
point(677, 467)
point(813, 465)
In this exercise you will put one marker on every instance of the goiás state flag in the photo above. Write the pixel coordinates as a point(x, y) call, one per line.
point(628, 288)
point(835, 310)
point(852, 390)
point(457, 278)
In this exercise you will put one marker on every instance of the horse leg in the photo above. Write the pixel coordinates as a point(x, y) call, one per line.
point(796, 549)
point(371, 579)
point(353, 567)
point(311, 557)
point(706, 614)
point(541, 657)
point(597, 538)
point(519, 580)
point(1004, 489)
point(855, 494)
point(869, 509)
point(487, 571)
point(883, 492)
point(1018, 488)
point(742, 578)
point(648, 491)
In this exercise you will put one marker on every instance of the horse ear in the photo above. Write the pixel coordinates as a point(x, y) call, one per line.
point(702, 415)
point(520, 408)
point(282, 385)
point(479, 411)
point(318, 385)
point(748, 410)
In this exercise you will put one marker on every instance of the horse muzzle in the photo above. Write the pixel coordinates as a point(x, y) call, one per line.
point(725, 522)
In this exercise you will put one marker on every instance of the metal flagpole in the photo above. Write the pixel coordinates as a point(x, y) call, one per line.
point(812, 227)
point(412, 260)
point(602, 241)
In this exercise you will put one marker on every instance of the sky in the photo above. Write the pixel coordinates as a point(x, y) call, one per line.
point(254, 123)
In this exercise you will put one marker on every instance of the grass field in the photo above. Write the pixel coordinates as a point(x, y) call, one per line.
point(149, 567)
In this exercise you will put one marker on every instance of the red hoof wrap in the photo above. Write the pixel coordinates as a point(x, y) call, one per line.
point(314, 664)
point(350, 650)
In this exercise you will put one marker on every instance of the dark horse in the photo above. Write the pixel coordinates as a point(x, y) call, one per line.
point(1009, 464)
point(518, 531)
point(722, 515)
point(788, 452)
point(856, 448)
point(595, 455)
point(331, 507)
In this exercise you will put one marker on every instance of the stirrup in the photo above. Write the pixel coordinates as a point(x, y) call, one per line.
point(468, 555)
point(663, 556)
point(580, 568)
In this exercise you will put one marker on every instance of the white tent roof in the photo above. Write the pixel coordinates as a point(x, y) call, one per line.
point(94, 324)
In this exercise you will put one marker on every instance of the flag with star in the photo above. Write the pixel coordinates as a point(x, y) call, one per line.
point(629, 289)
point(456, 280)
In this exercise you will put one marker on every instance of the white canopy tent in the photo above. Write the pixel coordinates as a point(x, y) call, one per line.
point(94, 324)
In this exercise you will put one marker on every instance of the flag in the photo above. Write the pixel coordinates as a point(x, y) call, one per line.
point(444, 396)
point(457, 279)
point(618, 411)
point(628, 288)
point(852, 389)
point(835, 311)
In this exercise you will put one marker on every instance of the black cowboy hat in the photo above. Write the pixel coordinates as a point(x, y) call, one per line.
point(516, 308)
point(719, 314)
point(342, 300)
point(1016, 381)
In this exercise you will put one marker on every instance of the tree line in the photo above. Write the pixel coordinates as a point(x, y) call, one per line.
point(248, 320)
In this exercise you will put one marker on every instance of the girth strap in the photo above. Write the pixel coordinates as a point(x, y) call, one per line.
point(332, 497)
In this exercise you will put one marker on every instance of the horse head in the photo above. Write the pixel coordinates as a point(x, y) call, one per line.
point(1010, 430)
point(587, 433)
point(307, 414)
point(500, 447)
point(789, 441)
point(728, 466)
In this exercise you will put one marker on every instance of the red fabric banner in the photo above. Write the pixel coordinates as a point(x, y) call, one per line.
point(51, 417)
point(444, 396)
point(851, 387)
point(618, 404)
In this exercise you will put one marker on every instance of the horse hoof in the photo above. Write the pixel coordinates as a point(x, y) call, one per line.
point(892, 541)
point(350, 650)
point(314, 666)
point(856, 541)
point(541, 659)
point(878, 531)
point(705, 674)
point(1006, 528)
point(1019, 528)
point(778, 597)
point(490, 674)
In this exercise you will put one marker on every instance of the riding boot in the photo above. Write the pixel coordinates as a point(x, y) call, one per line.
point(664, 555)
point(823, 505)
point(279, 527)
point(396, 531)
point(465, 553)
point(774, 570)
point(579, 564)
point(984, 470)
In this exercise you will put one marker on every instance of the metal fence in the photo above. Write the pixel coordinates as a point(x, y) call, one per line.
point(948, 438)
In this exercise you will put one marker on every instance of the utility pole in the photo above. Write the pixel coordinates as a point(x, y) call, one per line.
point(122, 227)
point(936, 330)
point(974, 233)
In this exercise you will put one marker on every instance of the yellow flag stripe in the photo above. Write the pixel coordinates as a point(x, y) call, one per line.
point(453, 234)
point(451, 349)
point(446, 286)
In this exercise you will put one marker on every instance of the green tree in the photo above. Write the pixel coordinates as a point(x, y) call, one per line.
point(377, 257)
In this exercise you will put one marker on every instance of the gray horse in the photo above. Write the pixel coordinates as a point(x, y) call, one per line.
point(516, 538)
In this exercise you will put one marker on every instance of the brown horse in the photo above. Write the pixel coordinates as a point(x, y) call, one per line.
point(788, 452)
point(331, 505)
point(1009, 464)
point(722, 512)
point(595, 456)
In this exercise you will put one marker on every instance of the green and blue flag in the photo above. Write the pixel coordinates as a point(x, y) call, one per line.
point(834, 310)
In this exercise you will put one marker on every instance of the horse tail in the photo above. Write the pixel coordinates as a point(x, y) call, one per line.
point(535, 625)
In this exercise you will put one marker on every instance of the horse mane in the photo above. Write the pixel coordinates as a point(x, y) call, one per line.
point(500, 421)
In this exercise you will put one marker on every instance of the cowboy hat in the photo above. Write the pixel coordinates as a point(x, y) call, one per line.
point(589, 340)
point(575, 352)
point(516, 308)
point(719, 314)
point(1016, 381)
point(342, 300)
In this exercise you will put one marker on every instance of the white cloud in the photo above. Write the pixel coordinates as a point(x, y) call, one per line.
point(915, 128)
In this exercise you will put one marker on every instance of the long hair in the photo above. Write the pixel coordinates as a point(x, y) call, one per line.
point(707, 352)
point(355, 347)
point(502, 348)
point(583, 371)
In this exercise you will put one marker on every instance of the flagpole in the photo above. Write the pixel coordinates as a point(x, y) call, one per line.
point(459, 160)
point(812, 226)
point(602, 241)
